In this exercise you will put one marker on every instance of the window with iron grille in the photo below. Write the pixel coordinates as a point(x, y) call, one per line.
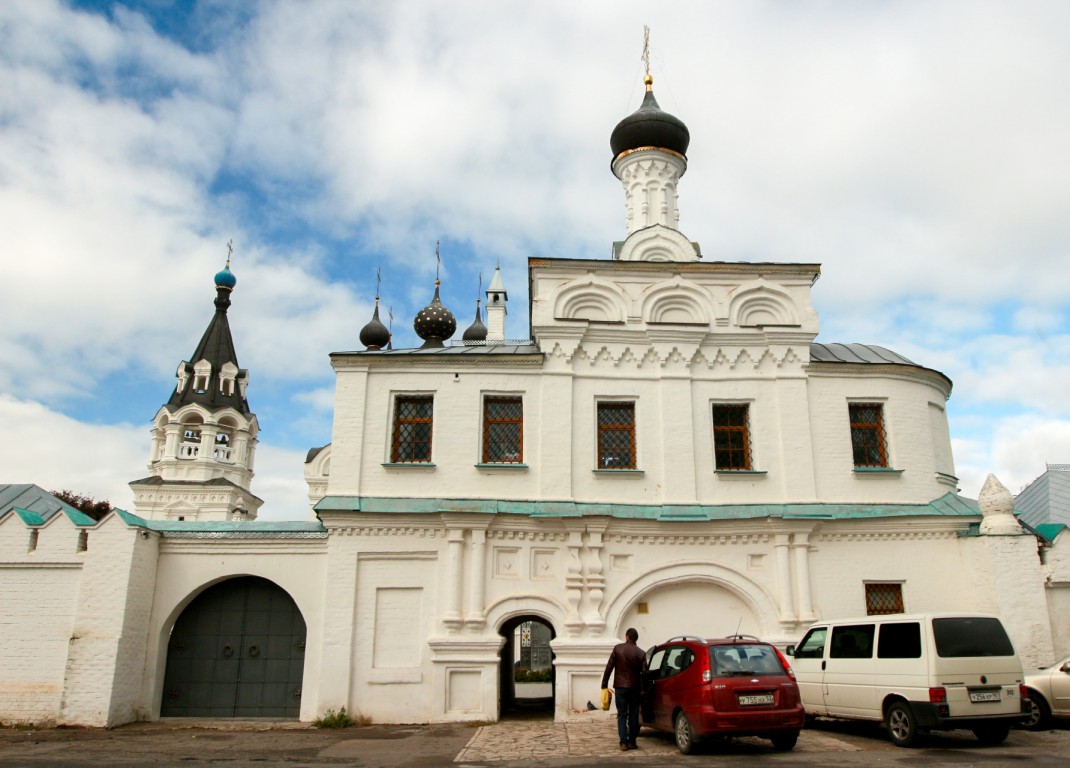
point(731, 437)
point(616, 435)
point(867, 434)
point(883, 599)
point(503, 430)
point(412, 429)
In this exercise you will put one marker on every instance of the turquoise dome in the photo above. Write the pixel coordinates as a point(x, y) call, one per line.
point(225, 279)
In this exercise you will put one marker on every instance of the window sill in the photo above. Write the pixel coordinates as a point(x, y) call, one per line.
point(740, 472)
point(619, 471)
point(409, 465)
point(877, 471)
point(506, 465)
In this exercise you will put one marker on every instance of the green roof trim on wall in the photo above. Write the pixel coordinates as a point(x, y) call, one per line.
point(947, 505)
point(78, 517)
point(28, 517)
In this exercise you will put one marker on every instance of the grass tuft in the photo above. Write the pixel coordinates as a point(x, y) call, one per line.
point(340, 719)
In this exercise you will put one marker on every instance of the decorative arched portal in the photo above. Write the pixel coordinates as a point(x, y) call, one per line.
point(237, 650)
point(527, 676)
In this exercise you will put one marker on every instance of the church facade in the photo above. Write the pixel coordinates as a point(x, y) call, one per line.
point(669, 449)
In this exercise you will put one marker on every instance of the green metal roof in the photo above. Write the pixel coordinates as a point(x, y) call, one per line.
point(947, 505)
point(1050, 530)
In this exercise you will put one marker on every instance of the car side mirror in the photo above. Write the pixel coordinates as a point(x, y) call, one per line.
point(1065, 668)
point(790, 650)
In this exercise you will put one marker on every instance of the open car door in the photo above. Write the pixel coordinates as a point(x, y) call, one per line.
point(651, 672)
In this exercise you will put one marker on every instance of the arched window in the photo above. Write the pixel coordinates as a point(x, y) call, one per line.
point(223, 450)
point(191, 437)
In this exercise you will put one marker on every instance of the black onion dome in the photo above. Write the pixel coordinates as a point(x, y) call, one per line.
point(650, 126)
point(375, 335)
point(476, 331)
point(434, 323)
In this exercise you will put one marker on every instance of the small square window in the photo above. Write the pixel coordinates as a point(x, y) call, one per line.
point(883, 599)
point(731, 437)
point(413, 417)
point(616, 436)
point(503, 430)
point(867, 434)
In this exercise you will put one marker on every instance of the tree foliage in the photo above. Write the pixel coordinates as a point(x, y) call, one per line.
point(95, 509)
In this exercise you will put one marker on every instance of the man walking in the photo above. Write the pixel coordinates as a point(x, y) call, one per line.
point(626, 664)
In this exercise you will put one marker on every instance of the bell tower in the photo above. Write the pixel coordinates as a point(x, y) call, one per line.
point(204, 437)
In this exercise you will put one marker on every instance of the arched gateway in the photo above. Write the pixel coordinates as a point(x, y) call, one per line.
point(237, 650)
point(527, 679)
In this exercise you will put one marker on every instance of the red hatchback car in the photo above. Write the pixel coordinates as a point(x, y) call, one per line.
point(736, 686)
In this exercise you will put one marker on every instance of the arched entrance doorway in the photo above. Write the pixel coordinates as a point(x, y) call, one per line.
point(237, 650)
point(526, 687)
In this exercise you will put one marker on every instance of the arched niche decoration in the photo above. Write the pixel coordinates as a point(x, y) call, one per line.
point(591, 298)
point(752, 594)
point(762, 304)
point(657, 243)
point(676, 301)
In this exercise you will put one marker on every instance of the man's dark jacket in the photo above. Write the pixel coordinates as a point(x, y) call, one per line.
point(626, 662)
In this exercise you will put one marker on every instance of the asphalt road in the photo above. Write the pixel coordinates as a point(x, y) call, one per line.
point(258, 745)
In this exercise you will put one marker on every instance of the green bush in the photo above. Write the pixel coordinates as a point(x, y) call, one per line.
point(332, 719)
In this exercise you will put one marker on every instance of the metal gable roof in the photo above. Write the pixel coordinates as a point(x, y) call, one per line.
point(33, 499)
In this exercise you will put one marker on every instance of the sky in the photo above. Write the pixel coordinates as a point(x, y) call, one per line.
point(919, 151)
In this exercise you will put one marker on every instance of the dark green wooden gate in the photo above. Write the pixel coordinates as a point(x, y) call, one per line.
point(237, 650)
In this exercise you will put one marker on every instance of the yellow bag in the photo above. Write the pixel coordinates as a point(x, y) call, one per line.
point(607, 698)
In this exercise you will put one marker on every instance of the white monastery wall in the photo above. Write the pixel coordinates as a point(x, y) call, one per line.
point(909, 434)
point(188, 566)
point(1057, 572)
point(799, 430)
point(107, 641)
point(37, 607)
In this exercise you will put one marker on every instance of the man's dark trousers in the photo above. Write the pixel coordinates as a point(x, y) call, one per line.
point(627, 714)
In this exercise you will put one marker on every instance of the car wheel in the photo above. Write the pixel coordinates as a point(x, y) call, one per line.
point(782, 742)
point(685, 737)
point(1039, 713)
point(902, 725)
point(993, 734)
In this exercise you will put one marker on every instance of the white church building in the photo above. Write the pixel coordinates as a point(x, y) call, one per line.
point(668, 448)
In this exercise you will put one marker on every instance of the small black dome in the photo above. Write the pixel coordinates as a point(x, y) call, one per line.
point(649, 126)
point(434, 323)
point(476, 331)
point(375, 335)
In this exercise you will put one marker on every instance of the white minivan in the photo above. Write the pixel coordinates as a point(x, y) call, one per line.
point(915, 673)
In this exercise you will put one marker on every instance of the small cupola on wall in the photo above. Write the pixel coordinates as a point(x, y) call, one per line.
point(435, 323)
point(477, 331)
point(375, 336)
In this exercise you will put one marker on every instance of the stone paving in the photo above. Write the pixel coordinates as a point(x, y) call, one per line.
point(531, 739)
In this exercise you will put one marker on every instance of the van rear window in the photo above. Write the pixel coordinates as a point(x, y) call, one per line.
point(973, 636)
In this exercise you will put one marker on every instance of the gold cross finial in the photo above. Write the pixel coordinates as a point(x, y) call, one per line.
point(230, 250)
point(646, 51)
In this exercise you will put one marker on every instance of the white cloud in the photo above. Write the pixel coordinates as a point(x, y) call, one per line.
point(280, 482)
point(56, 452)
point(915, 149)
point(1016, 450)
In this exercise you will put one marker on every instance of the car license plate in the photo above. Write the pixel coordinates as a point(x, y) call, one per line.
point(762, 698)
point(984, 695)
